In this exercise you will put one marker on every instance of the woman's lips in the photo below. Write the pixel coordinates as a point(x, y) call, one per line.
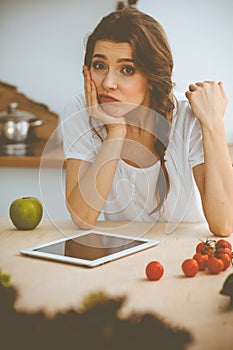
point(107, 99)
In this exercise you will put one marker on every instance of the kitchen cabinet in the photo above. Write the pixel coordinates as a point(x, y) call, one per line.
point(35, 167)
point(9, 94)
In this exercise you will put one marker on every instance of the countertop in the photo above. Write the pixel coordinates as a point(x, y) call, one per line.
point(194, 303)
point(54, 157)
point(51, 158)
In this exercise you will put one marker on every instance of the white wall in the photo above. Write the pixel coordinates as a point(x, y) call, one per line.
point(200, 34)
point(42, 44)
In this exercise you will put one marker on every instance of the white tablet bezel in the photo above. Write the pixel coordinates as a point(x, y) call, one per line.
point(147, 243)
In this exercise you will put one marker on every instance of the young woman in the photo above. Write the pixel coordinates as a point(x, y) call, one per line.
point(135, 148)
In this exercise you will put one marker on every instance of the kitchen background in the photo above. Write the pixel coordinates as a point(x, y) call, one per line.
point(42, 48)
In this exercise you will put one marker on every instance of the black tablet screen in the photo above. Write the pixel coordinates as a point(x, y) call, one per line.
point(91, 246)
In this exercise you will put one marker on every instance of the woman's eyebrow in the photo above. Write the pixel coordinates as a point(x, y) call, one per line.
point(125, 60)
point(98, 55)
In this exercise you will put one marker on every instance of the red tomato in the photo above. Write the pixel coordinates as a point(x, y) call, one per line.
point(200, 248)
point(215, 265)
point(224, 250)
point(201, 260)
point(190, 267)
point(154, 270)
point(222, 243)
point(206, 247)
point(226, 260)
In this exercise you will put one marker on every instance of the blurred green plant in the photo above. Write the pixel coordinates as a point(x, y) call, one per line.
point(4, 278)
point(96, 326)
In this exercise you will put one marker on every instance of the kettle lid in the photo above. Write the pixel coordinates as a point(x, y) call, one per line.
point(12, 113)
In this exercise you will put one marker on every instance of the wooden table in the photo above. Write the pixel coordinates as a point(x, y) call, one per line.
point(193, 303)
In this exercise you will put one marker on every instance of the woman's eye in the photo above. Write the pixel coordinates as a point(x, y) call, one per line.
point(128, 70)
point(98, 65)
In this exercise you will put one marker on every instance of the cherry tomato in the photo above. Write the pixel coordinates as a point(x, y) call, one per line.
point(222, 243)
point(190, 267)
point(224, 250)
point(226, 260)
point(206, 247)
point(215, 265)
point(200, 248)
point(201, 260)
point(154, 270)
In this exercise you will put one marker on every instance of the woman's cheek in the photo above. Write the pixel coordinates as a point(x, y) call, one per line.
point(96, 77)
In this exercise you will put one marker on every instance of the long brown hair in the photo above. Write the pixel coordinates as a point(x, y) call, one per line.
point(152, 56)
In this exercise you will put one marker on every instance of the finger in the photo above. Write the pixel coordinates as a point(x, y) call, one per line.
point(93, 94)
point(85, 70)
point(85, 81)
point(199, 83)
point(205, 82)
point(188, 95)
point(87, 85)
point(193, 87)
point(94, 109)
point(220, 84)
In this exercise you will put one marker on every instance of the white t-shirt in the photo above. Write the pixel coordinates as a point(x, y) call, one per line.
point(132, 196)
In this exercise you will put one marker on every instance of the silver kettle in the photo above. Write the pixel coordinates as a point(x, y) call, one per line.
point(15, 125)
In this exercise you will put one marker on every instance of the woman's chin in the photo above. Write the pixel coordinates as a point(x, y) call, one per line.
point(117, 109)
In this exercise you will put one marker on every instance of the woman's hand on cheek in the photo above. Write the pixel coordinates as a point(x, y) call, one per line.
point(95, 110)
point(208, 101)
point(90, 91)
point(87, 85)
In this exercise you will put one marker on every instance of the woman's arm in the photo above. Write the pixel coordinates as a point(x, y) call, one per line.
point(214, 178)
point(88, 184)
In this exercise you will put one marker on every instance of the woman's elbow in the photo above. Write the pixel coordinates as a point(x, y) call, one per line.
point(82, 219)
point(83, 224)
point(221, 230)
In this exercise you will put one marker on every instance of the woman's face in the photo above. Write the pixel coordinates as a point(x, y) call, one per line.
point(121, 87)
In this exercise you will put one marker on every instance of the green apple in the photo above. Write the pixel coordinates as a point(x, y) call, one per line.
point(26, 213)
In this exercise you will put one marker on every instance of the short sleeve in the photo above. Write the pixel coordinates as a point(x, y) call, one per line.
point(186, 131)
point(196, 153)
point(77, 133)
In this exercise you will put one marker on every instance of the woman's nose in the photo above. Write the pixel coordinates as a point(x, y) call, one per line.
point(110, 80)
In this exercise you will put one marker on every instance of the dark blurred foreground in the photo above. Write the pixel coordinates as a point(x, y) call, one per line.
point(97, 326)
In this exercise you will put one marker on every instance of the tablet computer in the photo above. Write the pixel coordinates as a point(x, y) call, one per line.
point(90, 248)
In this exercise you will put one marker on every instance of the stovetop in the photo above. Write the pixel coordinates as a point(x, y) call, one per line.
point(33, 149)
